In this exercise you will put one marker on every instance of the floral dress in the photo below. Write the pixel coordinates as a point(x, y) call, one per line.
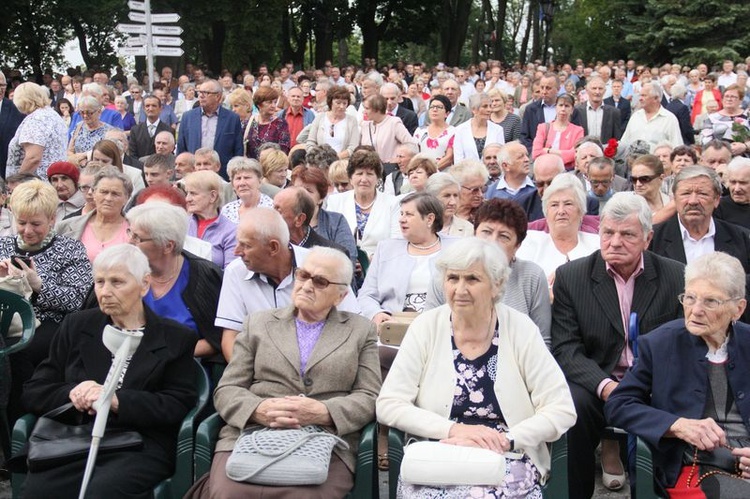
point(474, 402)
point(435, 147)
point(277, 131)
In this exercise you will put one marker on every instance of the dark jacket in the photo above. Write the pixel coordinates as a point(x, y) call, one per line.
point(202, 296)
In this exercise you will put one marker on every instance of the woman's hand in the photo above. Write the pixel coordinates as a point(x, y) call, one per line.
point(702, 433)
point(743, 454)
point(16, 267)
point(291, 412)
point(84, 394)
point(477, 436)
point(381, 317)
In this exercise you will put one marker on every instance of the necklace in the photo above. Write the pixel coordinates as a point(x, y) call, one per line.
point(365, 208)
point(425, 248)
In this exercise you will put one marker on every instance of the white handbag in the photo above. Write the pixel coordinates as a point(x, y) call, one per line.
point(438, 464)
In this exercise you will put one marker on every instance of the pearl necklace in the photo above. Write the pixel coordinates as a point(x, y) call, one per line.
point(365, 208)
point(425, 248)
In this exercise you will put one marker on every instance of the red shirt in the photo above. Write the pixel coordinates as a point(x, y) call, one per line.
point(295, 122)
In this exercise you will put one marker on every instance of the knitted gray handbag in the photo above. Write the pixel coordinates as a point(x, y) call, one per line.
point(282, 457)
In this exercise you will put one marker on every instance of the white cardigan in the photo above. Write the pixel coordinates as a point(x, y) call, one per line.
point(464, 146)
point(417, 395)
point(382, 224)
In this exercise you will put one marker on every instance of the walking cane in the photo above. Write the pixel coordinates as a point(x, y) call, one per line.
point(122, 344)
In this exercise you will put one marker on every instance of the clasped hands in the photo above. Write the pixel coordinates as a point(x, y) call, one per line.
point(291, 412)
point(477, 436)
point(707, 435)
point(84, 394)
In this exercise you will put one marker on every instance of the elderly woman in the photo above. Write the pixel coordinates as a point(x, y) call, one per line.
point(155, 394)
point(275, 165)
point(447, 189)
point(124, 118)
point(694, 410)
point(335, 127)
point(39, 140)
point(184, 287)
point(729, 122)
point(382, 131)
point(55, 267)
point(105, 226)
point(709, 94)
point(203, 198)
point(472, 175)
point(436, 139)
point(372, 215)
point(411, 259)
point(88, 132)
point(418, 171)
point(266, 126)
point(510, 122)
point(560, 136)
point(188, 100)
point(307, 364)
point(474, 373)
point(327, 224)
point(473, 135)
point(563, 204)
point(245, 175)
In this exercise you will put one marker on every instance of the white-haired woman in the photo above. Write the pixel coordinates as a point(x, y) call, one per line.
point(469, 373)
point(472, 135)
point(564, 204)
point(245, 174)
point(39, 140)
point(183, 287)
point(88, 132)
point(156, 392)
point(447, 189)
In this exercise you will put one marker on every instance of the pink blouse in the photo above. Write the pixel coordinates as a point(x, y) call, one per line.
point(94, 246)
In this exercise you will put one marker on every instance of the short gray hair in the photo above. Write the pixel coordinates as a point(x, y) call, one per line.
point(344, 269)
point(654, 89)
point(721, 270)
point(123, 255)
point(477, 98)
point(467, 168)
point(267, 225)
point(624, 204)
point(439, 181)
point(738, 163)
point(374, 77)
point(678, 91)
point(413, 149)
point(696, 171)
point(110, 172)
point(566, 182)
point(89, 102)
point(164, 222)
point(243, 164)
point(207, 151)
point(93, 88)
point(470, 250)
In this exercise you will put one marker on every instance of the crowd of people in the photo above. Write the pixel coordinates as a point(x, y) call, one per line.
point(544, 224)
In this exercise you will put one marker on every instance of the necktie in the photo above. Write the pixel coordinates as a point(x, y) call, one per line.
point(151, 130)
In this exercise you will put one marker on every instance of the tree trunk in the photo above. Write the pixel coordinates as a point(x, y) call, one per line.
point(289, 35)
point(343, 52)
point(535, 22)
point(455, 23)
point(502, 9)
point(525, 42)
point(213, 48)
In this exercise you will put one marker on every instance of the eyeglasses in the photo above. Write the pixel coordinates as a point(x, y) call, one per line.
point(596, 183)
point(84, 188)
point(439, 108)
point(475, 190)
point(731, 97)
point(542, 183)
point(708, 303)
point(340, 185)
point(319, 282)
point(85, 112)
point(136, 238)
point(206, 92)
point(645, 179)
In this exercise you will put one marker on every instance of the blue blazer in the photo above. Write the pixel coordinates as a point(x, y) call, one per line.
point(228, 141)
point(670, 380)
point(10, 119)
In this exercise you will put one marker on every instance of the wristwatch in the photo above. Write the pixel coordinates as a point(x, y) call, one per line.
point(511, 441)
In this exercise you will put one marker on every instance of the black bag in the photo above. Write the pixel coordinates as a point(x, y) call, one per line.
point(60, 436)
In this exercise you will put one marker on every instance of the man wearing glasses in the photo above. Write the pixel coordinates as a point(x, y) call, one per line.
point(10, 118)
point(211, 126)
point(603, 181)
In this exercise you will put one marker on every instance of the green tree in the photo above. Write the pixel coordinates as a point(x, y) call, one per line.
point(590, 30)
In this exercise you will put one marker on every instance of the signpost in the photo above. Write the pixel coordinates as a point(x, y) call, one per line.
point(150, 40)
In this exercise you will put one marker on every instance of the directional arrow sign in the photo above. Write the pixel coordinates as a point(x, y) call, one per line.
point(167, 40)
point(134, 42)
point(138, 17)
point(163, 18)
point(168, 51)
point(131, 28)
point(134, 5)
point(166, 30)
point(132, 51)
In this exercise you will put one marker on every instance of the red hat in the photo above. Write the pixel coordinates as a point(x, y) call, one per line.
point(63, 168)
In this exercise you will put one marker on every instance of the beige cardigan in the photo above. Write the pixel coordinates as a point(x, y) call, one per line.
point(417, 395)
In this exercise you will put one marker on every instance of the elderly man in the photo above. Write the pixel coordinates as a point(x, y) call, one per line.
point(603, 182)
point(490, 155)
point(621, 103)
point(297, 208)
point(142, 135)
point(546, 168)
point(735, 208)
point(184, 164)
point(10, 118)
point(164, 145)
point(64, 178)
point(514, 161)
point(211, 126)
point(296, 115)
point(694, 231)
point(652, 123)
point(392, 95)
point(585, 153)
point(396, 182)
point(598, 119)
point(716, 155)
point(459, 113)
point(594, 298)
point(262, 278)
point(208, 159)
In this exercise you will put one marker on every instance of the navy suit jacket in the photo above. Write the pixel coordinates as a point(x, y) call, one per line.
point(624, 106)
point(10, 118)
point(533, 117)
point(682, 112)
point(651, 397)
point(611, 122)
point(228, 140)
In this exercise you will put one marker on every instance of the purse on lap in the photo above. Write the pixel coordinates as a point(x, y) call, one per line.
point(439, 464)
point(285, 457)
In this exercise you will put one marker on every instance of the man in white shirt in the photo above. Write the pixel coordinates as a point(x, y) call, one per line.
point(467, 88)
point(727, 76)
point(652, 123)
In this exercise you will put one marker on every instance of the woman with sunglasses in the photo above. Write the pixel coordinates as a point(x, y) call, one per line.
point(647, 175)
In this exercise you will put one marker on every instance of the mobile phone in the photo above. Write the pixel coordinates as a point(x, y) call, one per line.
point(24, 259)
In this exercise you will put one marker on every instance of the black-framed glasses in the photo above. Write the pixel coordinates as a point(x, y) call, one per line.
point(207, 92)
point(438, 108)
point(136, 238)
point(319, 282)
point(708, 303)
point(475, 190)
point(643, 179)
